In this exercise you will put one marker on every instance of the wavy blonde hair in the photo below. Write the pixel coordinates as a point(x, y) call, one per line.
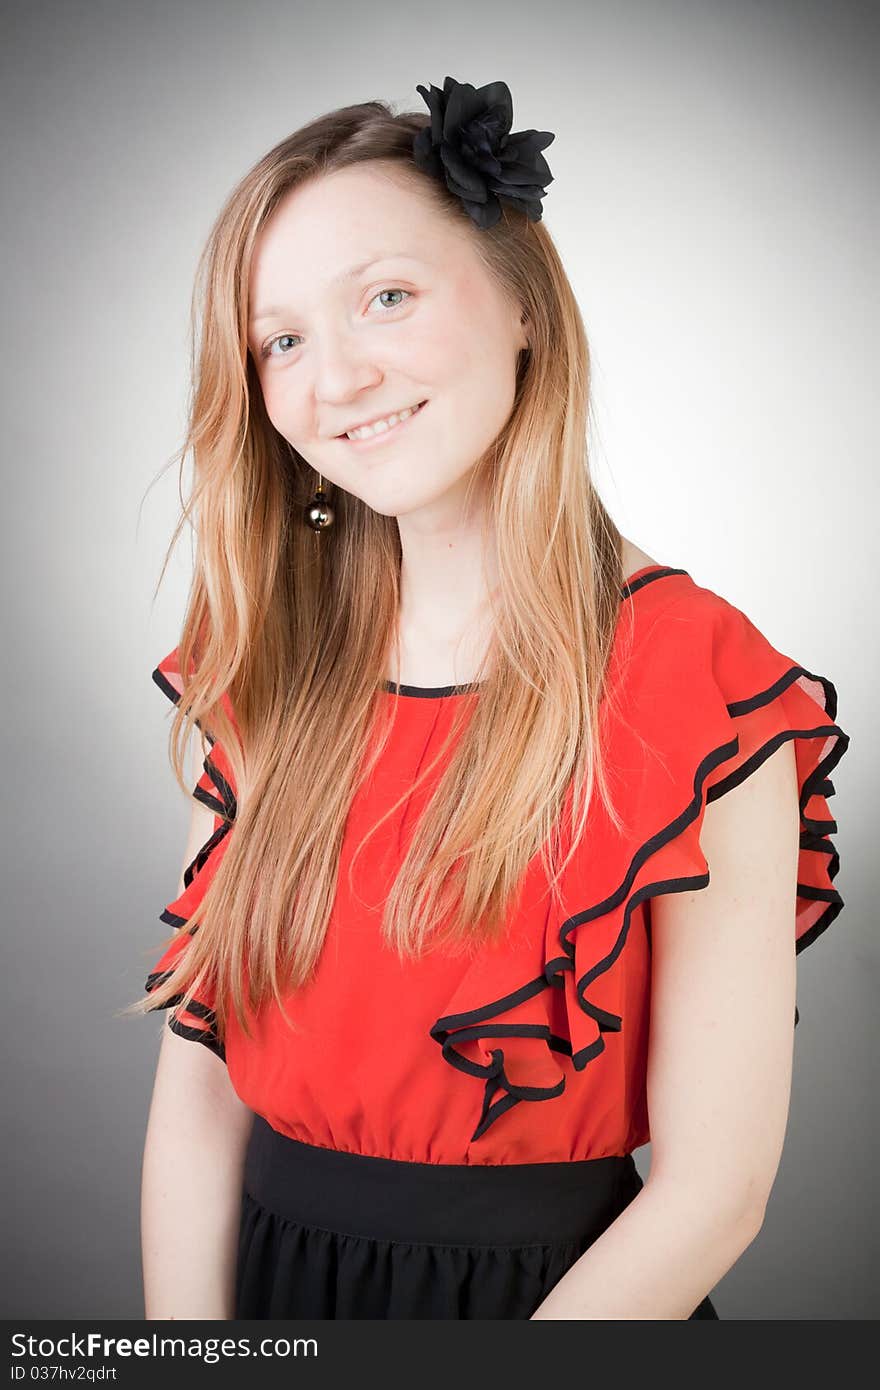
point(296, 627)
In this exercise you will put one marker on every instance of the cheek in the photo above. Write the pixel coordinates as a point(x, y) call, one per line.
point(282, 406)
point(458, 345)
point(450, 332)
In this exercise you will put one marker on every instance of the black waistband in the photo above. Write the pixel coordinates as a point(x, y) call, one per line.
point(446, 1204)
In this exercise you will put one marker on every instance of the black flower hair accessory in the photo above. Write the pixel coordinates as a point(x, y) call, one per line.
point(469, 146)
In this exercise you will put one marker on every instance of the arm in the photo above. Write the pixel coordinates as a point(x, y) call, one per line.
point(196, 1139)
point(719, 1069)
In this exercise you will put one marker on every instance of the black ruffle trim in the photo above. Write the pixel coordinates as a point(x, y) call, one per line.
point(224, 805)
point(208, 1035)
point(815, 835)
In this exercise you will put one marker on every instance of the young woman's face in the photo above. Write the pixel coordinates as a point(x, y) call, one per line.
point(421, 321)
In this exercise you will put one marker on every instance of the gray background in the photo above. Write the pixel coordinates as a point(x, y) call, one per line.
point(716, 206)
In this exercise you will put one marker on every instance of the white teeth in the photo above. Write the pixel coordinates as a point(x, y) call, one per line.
point(381, 426)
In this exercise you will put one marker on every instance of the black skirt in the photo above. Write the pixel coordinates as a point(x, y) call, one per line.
point(330, 1234)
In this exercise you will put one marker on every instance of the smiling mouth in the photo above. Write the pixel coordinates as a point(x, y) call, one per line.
point(382, 434)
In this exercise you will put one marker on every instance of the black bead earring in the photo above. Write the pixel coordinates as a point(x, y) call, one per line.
point(319, 515)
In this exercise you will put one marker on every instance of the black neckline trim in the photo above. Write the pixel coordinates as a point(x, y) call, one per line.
point(437, 692)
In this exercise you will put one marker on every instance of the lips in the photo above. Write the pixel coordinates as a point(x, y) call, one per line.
point(393, 429)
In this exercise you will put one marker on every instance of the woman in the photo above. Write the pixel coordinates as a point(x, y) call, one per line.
point(502, 824)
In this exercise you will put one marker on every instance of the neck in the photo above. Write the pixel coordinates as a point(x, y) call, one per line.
point(446, 579)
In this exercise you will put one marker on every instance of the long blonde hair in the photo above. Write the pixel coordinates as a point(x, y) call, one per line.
point(291, 629)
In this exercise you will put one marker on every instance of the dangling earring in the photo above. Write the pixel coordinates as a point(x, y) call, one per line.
point(318, 513)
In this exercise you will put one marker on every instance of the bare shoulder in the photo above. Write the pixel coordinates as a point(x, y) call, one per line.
point(633, 558)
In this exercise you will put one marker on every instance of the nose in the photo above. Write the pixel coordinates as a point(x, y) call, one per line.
point(342, 371)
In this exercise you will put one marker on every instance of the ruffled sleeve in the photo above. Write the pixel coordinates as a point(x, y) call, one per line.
point(215, 788)
point(703, 701)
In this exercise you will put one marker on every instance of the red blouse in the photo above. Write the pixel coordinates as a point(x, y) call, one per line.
point(536, 1050)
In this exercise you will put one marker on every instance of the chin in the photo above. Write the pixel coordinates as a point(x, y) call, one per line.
point(400, 495)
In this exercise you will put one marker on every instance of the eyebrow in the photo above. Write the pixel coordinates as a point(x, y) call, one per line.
point(342, 278)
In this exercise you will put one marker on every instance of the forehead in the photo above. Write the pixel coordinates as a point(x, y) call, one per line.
point(337, 221)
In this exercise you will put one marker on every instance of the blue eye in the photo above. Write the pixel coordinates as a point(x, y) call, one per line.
point(280, 337)
point(267, 350)
point(394, 291)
